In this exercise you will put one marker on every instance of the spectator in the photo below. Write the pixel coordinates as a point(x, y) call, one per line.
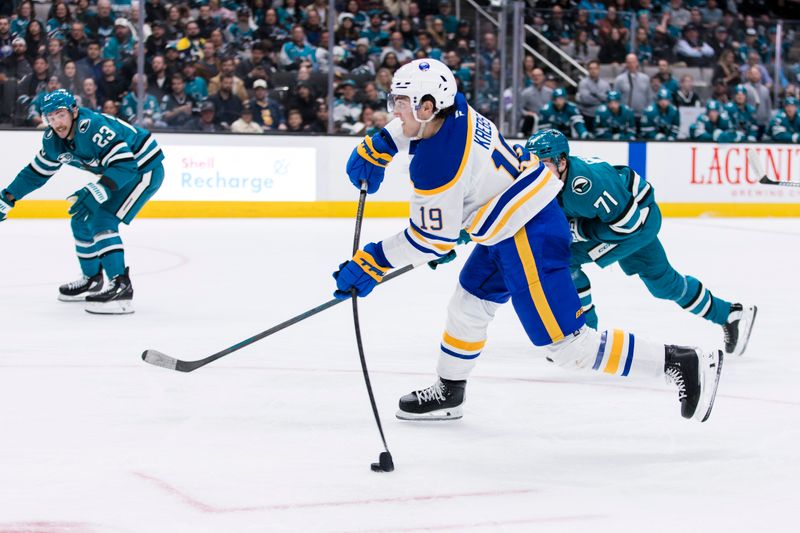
point(69, 79)
point(55, 56)
point(205, 22)
point(159, 79)
point(227, 104)
point(751, 44)
point(372, 98)
point(563, 116)
point(719, 91)
point(742, 115)
point(661, 121)
point(358, 17)
point(374, 32)
point(173, 26)
point(379, 121)
point(191, 44)
point(177, 106)
point(685, 95)
point(692, 50)
point(449, 21)
point(634, 86)
point(320, 124)
point(110, 86)
point(582, 23)
point(489, 51)
point(35, 82)
point(346, 110)
point(462, 74)
point(785, 126)
point(424, 45)
point(613, 49)
point(437, 32)
point(665, 76)
point(151, 110)
point(5, 37)
point(304, 101)
point(532, 99)
point(347, 33)
point(579, 48)
point(245, 123)
point(754, 61)
point(266, 112)
point(206, 122)
point(296, 50)
point(592, 92)
point(390, 62)
point(594, 8)
point(713, 125)
point(35, 109)
point(172, 58)
point(91, 65)
point(609, 23)
point(156, 42)
point(16, 66)
point(403, 54)
point(19, 24)
point(615, 120)
point(35, 39)
point(662, 40)
point(294, 121)
point(89, 95)
point(110, 107)
point(208, 67)
point(712, 14)
point(721, 41)
point(313, 28)
point(101, 26)
point(679, 16)
point(61, 21)
point(726, 69)
point(256, 67)
point(227, 68)
point(558, 28)
point(77, 42)
point(154, 11)
point(196, 86)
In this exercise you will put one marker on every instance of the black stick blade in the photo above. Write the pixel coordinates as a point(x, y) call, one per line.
point(765, 179)
point(384, 464)
point(154, 357)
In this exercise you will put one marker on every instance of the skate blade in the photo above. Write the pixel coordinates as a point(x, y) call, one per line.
point(114, 307)
point(441, 414)
point(708, 392)
point(66, 298)
point(745, 328)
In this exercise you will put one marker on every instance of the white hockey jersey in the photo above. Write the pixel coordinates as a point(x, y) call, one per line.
point(466, 177)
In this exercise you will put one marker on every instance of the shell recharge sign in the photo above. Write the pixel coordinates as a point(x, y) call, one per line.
point(721, 173)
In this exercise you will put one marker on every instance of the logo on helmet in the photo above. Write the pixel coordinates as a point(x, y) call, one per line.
point(424, 66)
point(581, 185)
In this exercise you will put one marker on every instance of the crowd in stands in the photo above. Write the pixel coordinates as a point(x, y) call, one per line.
point(262, 65)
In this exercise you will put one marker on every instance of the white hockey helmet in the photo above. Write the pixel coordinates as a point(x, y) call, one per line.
point(424, 77)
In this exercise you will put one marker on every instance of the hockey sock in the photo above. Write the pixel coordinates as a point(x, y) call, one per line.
point(584, 288)
point(699, 301)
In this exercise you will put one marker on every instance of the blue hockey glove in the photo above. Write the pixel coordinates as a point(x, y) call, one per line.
point(463, 238)
point(361, 273)
point(86, 201)
point(369, 159)
point(5, 205)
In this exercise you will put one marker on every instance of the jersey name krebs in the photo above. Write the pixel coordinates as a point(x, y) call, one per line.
point(483, 131)
point(581, 185)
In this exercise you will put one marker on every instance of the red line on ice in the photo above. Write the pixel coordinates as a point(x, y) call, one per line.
point(206, 508)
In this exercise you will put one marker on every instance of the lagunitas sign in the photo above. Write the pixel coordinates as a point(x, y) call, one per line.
point(720, 173)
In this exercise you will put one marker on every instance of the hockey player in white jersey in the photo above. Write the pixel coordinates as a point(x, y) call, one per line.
point(466, 177)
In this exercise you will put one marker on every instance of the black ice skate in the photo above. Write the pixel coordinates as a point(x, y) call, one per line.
point(738, 327)
point(76, 291)
point(696, 374)
point(116, 298)
point(440, 401)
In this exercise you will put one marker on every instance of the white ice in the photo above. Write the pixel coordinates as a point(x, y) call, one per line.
point(280, 436)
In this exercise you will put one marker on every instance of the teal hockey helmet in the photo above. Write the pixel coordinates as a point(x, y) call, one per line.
point(614, 96)
point(740, 89)
point(548, 144)
point(663, 94)
point(790, 100)
point(558, 92)
point(713, 105)
point(58, 99)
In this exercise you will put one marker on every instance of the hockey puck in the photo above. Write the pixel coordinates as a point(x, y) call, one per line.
point(384, 464)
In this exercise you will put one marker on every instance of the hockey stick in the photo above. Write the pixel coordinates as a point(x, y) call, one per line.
point(154, 357)
point(385, 462)
point(758, 169)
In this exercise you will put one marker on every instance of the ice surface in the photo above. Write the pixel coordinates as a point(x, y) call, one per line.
point(279, 436)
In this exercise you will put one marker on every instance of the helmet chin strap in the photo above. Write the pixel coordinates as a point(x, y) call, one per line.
point(422, 124)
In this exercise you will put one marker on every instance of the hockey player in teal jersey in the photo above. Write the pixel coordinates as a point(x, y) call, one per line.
point(614, 218)
point(742, 115)
point(785, 125)
point(127, 160)
point(661, 121)
point(466, 177)
point(563, 116)
point(614, 120)
point(713, 125)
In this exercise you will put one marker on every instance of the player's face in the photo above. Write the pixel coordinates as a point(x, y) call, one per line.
point(613, 105)
point(61, 122)
point(791, 110)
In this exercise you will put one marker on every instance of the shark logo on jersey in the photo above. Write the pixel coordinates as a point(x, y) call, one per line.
point(83, 126)
point(65, 158)
point(581, 185)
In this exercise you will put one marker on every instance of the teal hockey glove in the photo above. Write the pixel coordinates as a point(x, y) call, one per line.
point(5, 205)
point(463, 238)
point(86, 201)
